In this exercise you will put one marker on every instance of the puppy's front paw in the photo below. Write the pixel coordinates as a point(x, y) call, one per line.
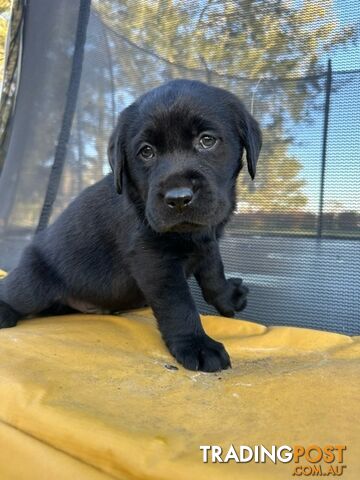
point(200, 353)
point(233, 299)
point(8, 316)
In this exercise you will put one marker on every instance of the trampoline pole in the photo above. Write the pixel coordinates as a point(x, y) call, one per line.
point(324, 147)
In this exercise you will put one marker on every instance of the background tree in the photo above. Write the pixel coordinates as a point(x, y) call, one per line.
point(259, 49)
point(4, 20)
point(268, 52)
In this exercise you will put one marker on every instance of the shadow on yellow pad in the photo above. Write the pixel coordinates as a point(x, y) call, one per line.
point(98, 397)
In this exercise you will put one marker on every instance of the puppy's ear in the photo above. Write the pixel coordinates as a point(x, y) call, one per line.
point(250, 135)
point(116, 149)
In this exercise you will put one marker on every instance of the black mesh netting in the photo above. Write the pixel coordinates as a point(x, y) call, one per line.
point(295, 235)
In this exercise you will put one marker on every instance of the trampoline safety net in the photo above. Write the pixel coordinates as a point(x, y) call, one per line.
point(294, 237)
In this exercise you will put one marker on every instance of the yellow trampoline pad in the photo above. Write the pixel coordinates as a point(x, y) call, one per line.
point(98, 397)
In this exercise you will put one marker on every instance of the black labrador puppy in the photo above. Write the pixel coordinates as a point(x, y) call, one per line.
point(133, 238)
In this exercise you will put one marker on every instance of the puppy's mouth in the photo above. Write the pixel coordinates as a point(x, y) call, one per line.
point(186, 227)
point(162, 226)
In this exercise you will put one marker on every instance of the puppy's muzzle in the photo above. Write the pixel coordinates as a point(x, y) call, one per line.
point(181, 201)
point(179, 198)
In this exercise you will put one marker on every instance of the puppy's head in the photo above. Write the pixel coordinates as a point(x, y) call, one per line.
point(179, 148)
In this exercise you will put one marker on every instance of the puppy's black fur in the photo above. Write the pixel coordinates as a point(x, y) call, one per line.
point(134, 237)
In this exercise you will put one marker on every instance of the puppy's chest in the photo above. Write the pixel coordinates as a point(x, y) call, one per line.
point(186, 252)
point(190, 263)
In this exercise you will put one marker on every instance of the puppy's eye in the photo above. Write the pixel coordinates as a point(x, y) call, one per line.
point(147, 152)
point(207, 141)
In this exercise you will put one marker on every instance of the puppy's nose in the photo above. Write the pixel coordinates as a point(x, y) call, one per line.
point(178, 198)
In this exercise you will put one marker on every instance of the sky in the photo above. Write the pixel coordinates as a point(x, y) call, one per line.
point(342, 179)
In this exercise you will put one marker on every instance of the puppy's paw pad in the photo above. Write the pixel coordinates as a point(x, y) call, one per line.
point(200, 353)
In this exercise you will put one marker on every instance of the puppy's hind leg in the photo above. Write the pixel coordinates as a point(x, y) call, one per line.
point(30, 288)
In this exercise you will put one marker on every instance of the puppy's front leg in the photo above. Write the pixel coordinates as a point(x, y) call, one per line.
point(227, 295)
point(165, 287)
